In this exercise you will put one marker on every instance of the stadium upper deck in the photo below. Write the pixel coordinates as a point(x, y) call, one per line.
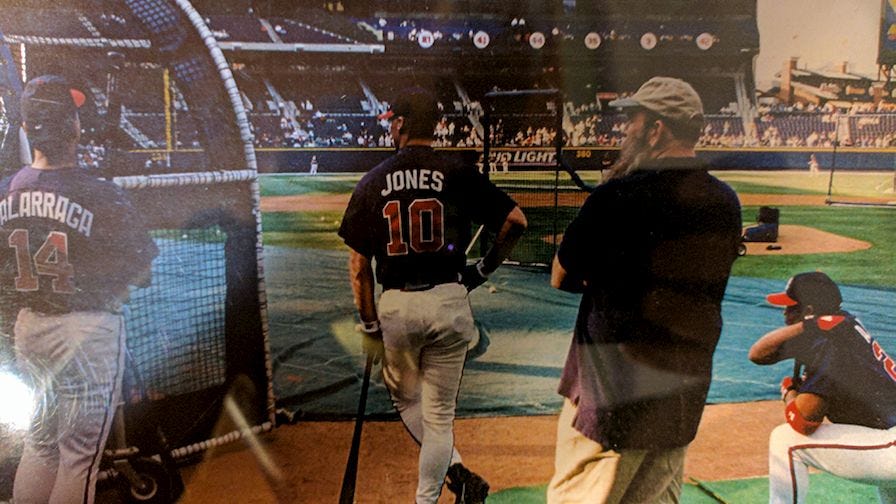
point(298, 69)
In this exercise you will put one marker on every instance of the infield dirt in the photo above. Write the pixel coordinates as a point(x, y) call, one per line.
point(508, 451)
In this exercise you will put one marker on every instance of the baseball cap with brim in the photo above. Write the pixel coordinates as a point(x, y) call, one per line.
point(671, 98)
point(413, 102)
point(812, 288)
point(50, 95)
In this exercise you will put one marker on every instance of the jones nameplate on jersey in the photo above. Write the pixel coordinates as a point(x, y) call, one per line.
point(413, 179)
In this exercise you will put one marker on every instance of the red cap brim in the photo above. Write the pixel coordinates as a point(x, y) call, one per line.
point(781, 299)
point(78, 97)
point(386, 115)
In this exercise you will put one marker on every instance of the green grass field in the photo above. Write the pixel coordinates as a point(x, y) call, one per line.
point(822, 488)
point(871, 267)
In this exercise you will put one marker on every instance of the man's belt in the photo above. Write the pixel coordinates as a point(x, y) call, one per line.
point(422, 284)
point(54, 309)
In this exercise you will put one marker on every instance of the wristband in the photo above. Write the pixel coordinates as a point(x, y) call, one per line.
point(370, 327)
point(479, 266)
point(797, 421)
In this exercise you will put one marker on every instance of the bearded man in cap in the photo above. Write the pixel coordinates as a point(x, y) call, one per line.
point(651, 252)
point(849, 379)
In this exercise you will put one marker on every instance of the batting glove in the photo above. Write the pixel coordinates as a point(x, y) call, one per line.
point(372, 341)
point(472, 276)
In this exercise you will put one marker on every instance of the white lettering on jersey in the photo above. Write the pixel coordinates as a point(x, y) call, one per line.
point(47, 205)
point(413, 179)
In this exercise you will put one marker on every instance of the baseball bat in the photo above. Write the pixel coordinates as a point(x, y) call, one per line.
point(473, 240)
point(349, 478)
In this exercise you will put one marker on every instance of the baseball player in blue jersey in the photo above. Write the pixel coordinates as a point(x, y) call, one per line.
point(849, 380)
point(71, 246)
point(412, 215)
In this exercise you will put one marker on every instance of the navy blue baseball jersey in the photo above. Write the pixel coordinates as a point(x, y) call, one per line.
point(848, 368)
point(70, 241)
point(414, 214)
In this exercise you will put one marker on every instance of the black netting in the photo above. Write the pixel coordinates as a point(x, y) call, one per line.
point(176, 327)
point(524, 161)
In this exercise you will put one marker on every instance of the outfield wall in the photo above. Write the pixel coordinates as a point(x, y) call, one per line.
point(346, 159)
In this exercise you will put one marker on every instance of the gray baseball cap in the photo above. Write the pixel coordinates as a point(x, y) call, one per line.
point(671, 98)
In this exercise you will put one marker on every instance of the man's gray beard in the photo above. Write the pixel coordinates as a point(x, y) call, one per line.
point(632, 154)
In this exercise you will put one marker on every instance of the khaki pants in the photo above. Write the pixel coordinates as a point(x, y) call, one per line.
point(586, 473)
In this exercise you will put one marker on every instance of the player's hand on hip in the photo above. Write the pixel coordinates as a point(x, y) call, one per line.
point(472, 276)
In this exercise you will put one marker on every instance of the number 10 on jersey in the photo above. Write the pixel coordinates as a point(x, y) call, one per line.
point(425, 225)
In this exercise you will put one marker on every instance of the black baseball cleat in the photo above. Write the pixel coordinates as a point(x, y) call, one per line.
point(468, 486)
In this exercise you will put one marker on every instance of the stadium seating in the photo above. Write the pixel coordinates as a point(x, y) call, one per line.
point(292, 107)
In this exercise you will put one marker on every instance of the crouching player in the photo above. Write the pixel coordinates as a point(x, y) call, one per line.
point(848, 379)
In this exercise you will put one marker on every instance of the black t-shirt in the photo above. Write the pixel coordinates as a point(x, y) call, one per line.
point(656, 249)
point(70, 241)
point(414, 214)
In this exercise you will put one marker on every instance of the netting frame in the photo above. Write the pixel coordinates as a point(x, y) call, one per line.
point(539, 259)
point(246, 319)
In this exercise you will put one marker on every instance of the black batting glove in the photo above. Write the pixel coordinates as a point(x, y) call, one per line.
point(472, 276)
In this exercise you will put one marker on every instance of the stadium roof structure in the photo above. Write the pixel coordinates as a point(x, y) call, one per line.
point(67, 26)
point(831, 85)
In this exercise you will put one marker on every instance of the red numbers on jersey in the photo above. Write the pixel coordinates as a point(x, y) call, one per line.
point(879, 354)
point(889, 364)
point(51, 259)
point(426, 226)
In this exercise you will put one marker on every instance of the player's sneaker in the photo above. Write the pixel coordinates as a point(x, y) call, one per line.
point(468, 486)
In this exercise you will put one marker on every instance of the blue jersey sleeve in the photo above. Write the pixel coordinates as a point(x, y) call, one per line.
point(130, 249)
point(357, 229)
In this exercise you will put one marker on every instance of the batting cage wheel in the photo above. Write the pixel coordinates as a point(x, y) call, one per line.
point(150, 483)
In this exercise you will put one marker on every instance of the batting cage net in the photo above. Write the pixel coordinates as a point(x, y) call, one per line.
point(197, 337)
point(850, 181)
point(522, 154)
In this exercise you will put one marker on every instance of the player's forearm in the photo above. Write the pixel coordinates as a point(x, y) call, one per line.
point(560, 279)
point(511, 231)
point(558, 274)
point(361, 276)
point(765, 350)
